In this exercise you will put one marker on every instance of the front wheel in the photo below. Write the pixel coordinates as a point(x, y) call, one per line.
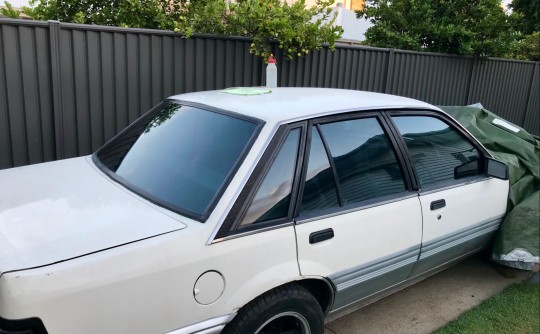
point(288, 309)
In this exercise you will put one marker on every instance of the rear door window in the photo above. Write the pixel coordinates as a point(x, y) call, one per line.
point(350, 161)
point(365, 163)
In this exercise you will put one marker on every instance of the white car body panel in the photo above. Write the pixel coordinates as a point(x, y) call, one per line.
point(466, 205)
point(362, 239)
point(46, 212)
point(153, 278)
point(473, 212)
point(158, 273)
point(358, 235)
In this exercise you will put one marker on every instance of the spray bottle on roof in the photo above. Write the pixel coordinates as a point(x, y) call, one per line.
point(271, 72)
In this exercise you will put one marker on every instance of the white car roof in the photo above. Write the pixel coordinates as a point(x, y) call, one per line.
point(290, 104)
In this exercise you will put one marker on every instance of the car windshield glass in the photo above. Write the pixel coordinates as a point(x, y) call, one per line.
point(179, 156)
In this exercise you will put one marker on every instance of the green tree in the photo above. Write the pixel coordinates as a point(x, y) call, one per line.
point(526, 19)
point(9, 11)
point(527, 15)
point(527, 48)
point(465, 27)
point(297, 30)
point(124, 13)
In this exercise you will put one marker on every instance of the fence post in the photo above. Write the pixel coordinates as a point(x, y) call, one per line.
point(531, 85)
point(54, 47)
point(389, 71)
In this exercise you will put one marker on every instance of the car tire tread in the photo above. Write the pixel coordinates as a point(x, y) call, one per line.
point(291, 296)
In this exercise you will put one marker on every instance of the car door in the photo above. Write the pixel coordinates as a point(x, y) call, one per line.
point(461, 210)
point(358, 221)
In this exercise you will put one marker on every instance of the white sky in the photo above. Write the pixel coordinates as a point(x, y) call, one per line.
point(16, 3)
point(20, 3)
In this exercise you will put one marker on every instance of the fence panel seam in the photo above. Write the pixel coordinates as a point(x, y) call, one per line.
point(531, 84)
point(389, 70)
point(56, 68)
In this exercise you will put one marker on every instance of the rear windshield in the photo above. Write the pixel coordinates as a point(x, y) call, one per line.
point(179, 156)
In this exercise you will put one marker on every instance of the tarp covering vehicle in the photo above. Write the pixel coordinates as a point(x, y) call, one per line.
point(518, 241)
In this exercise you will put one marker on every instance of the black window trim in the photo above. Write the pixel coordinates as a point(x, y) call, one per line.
point(169, 206)
point(451, 123)
point(403, 154)
point(331, 162)
point(398, 146)
point(356, 206)
point(231, 225)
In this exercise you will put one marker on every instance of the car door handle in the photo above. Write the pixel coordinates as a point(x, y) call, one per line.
point(438, 204)
point(321, 235)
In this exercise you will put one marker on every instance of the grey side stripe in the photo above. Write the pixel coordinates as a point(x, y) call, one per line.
point(448, 241)
point(356, 275)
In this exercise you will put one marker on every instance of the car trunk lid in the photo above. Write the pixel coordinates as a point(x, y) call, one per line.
point(65, 209)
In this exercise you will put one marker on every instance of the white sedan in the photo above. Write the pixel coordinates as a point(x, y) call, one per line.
point(244, 211)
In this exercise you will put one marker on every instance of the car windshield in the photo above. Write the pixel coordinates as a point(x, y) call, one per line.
point(179, 156)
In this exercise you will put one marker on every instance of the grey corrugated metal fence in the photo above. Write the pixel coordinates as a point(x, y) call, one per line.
point(66, 88)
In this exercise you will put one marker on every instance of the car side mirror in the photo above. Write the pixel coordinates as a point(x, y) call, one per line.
point(467, 169)
point(497, 169)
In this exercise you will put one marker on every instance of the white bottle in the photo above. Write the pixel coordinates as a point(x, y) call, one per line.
point(271, 72)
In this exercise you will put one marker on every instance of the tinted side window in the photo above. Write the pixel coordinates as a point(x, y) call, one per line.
point(320, 187)
point(436, 149)
point(365, 162)
point(273, 197)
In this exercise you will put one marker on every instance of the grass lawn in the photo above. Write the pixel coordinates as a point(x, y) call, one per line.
point(515, 310)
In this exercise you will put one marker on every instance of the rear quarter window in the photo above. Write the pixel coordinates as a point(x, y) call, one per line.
point(181, 156)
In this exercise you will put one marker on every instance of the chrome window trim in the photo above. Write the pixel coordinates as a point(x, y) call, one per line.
point(338, 211)
point(254, 231)
point(479, 178)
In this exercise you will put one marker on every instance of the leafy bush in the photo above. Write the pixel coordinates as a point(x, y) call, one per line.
point(465, 27)
point(297, 30)
point(9, 11)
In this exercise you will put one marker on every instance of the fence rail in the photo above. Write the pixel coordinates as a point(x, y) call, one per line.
point(67, 88)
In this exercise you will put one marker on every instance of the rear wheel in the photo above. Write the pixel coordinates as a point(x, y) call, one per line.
point(288, 309)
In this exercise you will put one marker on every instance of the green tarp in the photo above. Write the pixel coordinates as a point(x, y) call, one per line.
point(518, 241)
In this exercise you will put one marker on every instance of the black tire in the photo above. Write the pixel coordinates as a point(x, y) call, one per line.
point(289, 307)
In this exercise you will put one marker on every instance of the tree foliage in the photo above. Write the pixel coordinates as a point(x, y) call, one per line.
point(527, 15)
point(9, 11)
point(526, 19)
point(294, 28)
point(527, 48)
point(465, 27)
point(123, 13)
